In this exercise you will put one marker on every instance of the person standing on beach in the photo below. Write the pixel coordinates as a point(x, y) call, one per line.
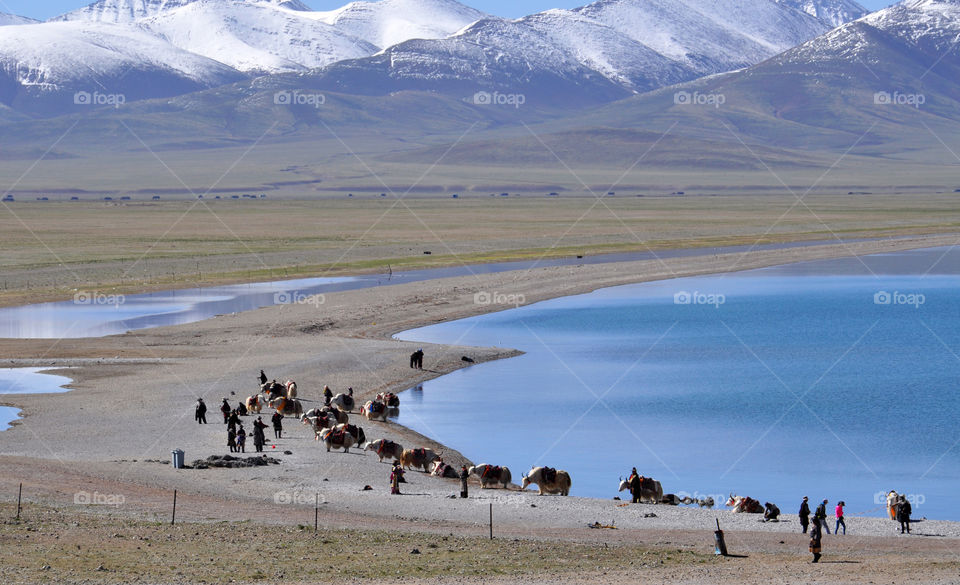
point(241, 440)
point(821, 514)
point(327, 395)
point(232, 439)
point(263, 378)
point(396, 476)
point(225, 409)
point(815, 539)
point(463, 481)
point(233, 419)
point(201, 412)
point(904, 509)
point(840, 522)
point(636, 486)
point(804, 514)
point(277, 420)
point(258, 437)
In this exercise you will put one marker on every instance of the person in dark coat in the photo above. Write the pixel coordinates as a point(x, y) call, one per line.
point(804, 515)
point(201, 412)
point(232, 439)
point(815, 539)
point(263, 378)
point(327, 395)
point(258, 437)
point(821, 513)
point(225, 409)
point(277, 419)
point(464, 475)
point(233, 419)
point(241, 409)
point(771, 513)
point(904, 509)
point(636, 486)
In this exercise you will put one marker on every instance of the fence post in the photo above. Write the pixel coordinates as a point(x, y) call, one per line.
point(173, 518)
point(491, 521)
point(19, 495)
point(316, 512)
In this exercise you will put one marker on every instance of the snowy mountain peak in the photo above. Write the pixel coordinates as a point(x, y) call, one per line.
point(831, 12)
point(388, 22)
point(127, 11)
point(121, 11)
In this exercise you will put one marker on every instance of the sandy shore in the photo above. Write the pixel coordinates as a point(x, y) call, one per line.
point(133, 396)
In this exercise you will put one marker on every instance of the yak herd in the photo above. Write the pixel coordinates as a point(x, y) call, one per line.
point(331, 426)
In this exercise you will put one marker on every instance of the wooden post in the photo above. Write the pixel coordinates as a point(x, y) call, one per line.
point(316, 512)
point(491, 521)
point(19, 495)
point(174, 517)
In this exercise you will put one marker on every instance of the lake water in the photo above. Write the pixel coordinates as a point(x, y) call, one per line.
point(832, 379)
point(26, 381)
point(94, 314)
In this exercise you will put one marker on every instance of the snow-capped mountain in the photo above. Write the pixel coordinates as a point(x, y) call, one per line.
point(831, 12)
point(596, 53)
point(276, 36)
point(44, 64)
point(881, 82)
point(604, 49)
point(709, 36)
point(389, 22)
point(13, 19)
point(128, 11)
point(256, 36)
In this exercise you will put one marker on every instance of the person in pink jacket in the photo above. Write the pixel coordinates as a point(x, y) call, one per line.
point(840, 521)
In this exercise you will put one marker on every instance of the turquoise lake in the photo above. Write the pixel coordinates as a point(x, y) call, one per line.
point(833, 379)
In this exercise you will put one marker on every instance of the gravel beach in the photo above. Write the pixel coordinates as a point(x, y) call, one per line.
point(133, 396)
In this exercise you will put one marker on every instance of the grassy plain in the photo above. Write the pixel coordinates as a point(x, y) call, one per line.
point(49, 249)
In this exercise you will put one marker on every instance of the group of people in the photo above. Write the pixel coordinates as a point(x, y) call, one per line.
point(898, 505)
point(236, 434)
point(820, 524)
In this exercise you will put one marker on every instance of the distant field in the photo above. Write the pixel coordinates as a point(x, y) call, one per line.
point(50, 249)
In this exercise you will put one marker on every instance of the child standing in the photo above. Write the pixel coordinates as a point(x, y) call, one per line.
point(241, 439)
point(815, 539)
point(396, 476)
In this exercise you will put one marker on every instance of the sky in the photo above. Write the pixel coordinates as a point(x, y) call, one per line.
point(44, 9)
